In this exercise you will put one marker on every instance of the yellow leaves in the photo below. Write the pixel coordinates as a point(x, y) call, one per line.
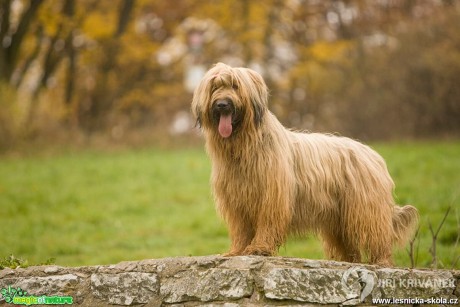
point(100, 24)
point(329, 51)
point(316, 72)
point(136, 98)
point(50, 17)
point(136, 48)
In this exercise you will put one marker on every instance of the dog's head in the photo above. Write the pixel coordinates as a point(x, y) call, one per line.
point(229, 100)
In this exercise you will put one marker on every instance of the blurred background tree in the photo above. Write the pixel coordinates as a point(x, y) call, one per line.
point(126, 69)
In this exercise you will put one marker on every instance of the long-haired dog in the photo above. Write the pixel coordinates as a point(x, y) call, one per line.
point(269, 182)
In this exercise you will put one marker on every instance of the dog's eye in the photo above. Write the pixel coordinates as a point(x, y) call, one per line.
point(235, 86)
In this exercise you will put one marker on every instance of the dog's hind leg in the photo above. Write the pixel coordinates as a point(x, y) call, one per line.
point(382, 257)
point(337, 248)
point(380, 247)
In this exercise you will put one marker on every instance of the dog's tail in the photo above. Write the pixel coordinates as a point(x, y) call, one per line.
point(405, 220)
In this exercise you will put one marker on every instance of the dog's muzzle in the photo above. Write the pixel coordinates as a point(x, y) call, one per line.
point(223, 111)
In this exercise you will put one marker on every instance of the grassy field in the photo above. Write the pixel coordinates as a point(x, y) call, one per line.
point(89, 207)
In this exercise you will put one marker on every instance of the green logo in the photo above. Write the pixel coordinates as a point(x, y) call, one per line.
point(18, 296)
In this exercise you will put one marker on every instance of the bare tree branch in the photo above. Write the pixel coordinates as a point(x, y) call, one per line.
point(413, 255)
point(123, 16)
point(457, 240)
point(19, 75)
point(5, 16)
point(434, 236)
point(12, 51)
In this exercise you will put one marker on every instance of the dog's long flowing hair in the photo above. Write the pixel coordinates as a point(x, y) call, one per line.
point(269, 182)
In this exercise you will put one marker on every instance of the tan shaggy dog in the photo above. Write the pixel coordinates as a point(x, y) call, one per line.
point(269, 182)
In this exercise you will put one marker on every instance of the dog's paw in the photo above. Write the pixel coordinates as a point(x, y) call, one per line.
point(257, 251)
point(232, 254)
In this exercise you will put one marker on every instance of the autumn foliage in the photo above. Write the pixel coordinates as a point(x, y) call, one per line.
point(367, 69)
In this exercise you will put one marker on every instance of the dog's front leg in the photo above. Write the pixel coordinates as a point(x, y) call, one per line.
point(241, 234)
point(270, 234)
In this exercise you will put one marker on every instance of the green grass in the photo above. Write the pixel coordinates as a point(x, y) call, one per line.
point(92, 207)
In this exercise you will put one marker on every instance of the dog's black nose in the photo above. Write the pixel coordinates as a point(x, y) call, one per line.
point(222, 103)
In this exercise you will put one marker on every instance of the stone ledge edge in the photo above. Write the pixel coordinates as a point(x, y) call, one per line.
point(232, 281)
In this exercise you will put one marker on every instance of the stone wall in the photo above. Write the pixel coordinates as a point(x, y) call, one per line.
point(237, 281)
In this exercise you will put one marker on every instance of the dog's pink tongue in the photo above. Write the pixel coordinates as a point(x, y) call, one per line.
point(225, 125)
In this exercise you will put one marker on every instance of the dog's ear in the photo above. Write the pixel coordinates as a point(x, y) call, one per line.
point(202, 96)
point(259, 96)
point(259, 112)
point(196, 111)
point(196, 106)
point(198, 120)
